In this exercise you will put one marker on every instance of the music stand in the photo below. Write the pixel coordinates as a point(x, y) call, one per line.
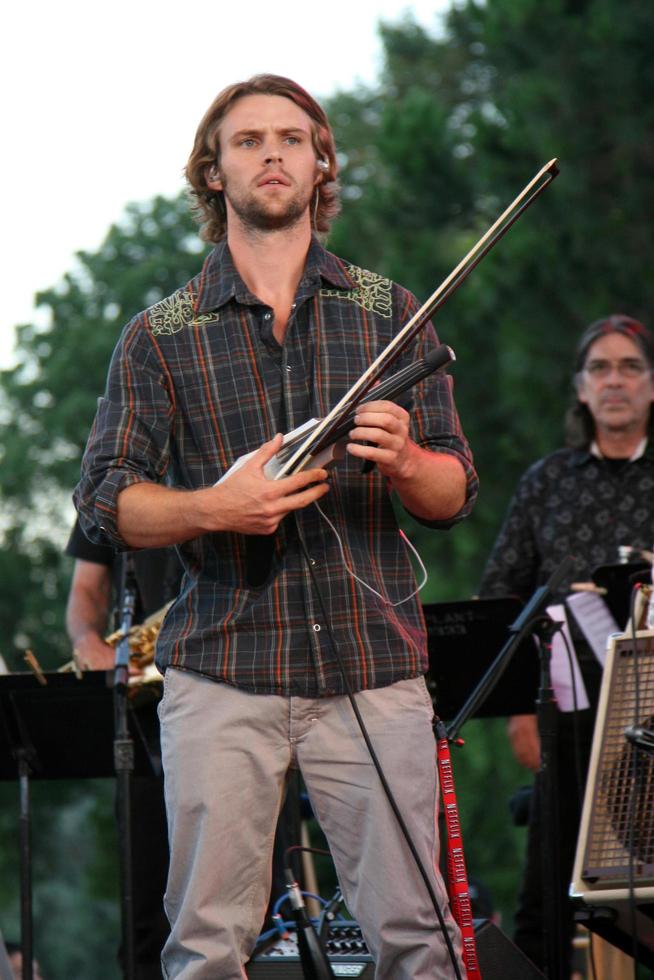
point(63, 729)
point(463, 640)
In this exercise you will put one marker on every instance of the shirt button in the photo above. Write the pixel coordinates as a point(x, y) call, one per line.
point(267, 316)
point(312, 561)
point(316, 627)
point(289, 368)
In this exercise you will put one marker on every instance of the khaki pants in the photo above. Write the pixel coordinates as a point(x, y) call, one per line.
point(226, 754)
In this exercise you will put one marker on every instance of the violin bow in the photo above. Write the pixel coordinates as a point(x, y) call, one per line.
point(321, 434)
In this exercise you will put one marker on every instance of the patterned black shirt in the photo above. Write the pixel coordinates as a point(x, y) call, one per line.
point(571, 503)
point(196, 382)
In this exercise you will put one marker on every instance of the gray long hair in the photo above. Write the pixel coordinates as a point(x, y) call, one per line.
point(579, 423)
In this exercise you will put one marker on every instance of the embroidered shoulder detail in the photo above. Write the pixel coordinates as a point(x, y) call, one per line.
point(372, 291)
point(175, 312)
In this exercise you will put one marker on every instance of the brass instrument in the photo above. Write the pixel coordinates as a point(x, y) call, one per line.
point(142, 638)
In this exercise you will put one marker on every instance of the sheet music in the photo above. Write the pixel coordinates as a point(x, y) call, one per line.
point(560, 666)
point(595, 621)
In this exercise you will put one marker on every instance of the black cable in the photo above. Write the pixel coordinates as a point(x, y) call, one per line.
point(290, 851)
point(328, 914)
point(576, 737)
point(591, 953)
point(576, 741)
point(382, 778)
point(313, 955)
point(634, 773)
point(309, 850)
point(553, 897)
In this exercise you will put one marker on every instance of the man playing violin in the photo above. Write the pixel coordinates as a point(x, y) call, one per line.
point(284, 577)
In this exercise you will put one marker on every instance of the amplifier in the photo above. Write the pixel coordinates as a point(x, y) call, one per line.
point(346, 950)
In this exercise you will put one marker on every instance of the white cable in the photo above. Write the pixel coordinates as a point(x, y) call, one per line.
point(350, 571)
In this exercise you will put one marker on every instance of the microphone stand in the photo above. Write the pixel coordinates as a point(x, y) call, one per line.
point(533, 621)
point(547, 717)
point(124, 764)
point(26, 758)
point(313, 958)
point(521, 628)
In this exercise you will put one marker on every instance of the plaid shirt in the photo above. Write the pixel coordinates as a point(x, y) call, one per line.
point(195, 382)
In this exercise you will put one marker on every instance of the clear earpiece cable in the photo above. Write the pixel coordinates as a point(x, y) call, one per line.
point(352, 573)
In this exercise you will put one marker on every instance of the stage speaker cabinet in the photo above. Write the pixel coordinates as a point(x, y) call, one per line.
point(613, 875)
point(348, 956)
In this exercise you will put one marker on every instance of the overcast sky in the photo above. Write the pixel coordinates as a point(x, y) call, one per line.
point(100, 105)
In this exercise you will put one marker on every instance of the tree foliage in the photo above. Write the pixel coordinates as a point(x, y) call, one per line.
point(49, 400)
point(455, 128)
point(452, 130)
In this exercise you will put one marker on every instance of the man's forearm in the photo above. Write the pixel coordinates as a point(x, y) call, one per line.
point(431, 485)
point(84, 618)
point(87, 614)
point(154, 516)
point(434, 487)
point(247, 502)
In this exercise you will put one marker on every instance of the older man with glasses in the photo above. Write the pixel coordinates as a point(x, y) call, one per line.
point(586, 500)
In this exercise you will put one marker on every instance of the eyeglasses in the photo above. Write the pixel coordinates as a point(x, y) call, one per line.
point(627, 367)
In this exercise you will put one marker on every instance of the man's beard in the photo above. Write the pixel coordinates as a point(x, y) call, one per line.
point(255, 216)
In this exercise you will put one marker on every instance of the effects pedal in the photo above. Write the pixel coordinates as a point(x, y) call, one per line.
point(346, 950)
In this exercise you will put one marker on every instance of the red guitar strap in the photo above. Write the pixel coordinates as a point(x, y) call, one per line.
point(457, 876)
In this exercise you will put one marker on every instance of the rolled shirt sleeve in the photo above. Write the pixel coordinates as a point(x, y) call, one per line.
point(435, 424)
point(130, 437)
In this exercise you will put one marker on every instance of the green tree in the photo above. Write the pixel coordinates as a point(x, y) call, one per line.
point(454, 129)
point(49, 400)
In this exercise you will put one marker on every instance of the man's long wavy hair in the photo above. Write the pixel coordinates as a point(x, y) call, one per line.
point(579, 423)
point(208, 205)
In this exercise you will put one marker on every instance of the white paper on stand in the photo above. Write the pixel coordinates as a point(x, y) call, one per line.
point(560, 666)
point(595, 621)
